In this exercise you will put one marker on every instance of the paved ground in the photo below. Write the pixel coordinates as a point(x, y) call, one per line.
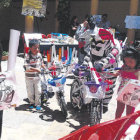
point(49, 124)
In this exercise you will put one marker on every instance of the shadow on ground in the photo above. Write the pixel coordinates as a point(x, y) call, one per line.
point(51, 115)
point(80, 116)
point(47, 114)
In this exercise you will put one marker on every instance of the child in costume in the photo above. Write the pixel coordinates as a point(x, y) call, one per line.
point(104, 53)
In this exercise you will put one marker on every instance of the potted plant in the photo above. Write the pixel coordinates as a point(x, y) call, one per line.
point(4, 56)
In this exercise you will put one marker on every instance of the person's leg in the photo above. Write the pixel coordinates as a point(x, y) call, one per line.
point(129, 110)
point(108, 94)
point(1, 116)
point(37, 92)
point(119, 110)
point(80, 57)
point(30, 90)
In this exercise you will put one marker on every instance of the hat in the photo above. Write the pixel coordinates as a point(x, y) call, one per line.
point(106, 35)
point(33, 42)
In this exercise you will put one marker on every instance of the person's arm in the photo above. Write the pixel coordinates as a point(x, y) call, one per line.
point(111, 57)
point(74, 28)
point(31, 69)
point(28, 67)
point(115, 74)
point(139, 75)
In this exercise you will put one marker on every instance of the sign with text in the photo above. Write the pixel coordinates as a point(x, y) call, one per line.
point(130, 93)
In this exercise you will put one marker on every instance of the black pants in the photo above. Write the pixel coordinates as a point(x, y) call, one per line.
point(1, 115)
point(81, 55)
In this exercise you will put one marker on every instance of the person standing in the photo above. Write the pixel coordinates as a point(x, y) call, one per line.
point(84, 26)
point(104, 53)
point(105, 23)
point(33, 64)
point(73, 25)
point(130, 70)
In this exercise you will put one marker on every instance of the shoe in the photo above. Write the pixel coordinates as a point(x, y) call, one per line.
point(105, 109)
point(38, 107)
point(31, 106)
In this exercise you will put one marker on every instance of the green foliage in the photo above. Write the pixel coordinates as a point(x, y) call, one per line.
point(63, 15)
point(5, 3)
point(4, 53)
point(63, 10)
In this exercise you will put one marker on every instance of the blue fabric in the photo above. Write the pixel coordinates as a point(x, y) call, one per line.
point(58, 34)
point(63, 59)
point(51, 82)
point(38, 108)
point(63, 80)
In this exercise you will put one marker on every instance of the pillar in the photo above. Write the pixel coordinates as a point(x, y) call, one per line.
point(29, 24)
point(94, 7)
point(132, 12)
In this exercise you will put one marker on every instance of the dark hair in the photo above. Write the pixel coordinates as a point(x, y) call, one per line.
point(131, 52)
point(33, 42)
point(87, 16)
point(73, 18)
point(104, 15)
point(91, 22)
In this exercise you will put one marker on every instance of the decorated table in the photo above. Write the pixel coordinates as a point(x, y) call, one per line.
point(54, 46)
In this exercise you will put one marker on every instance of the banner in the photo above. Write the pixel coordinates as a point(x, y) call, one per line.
point(132, 22)
point(13, 48)
point(34, 8)
point(8, 90)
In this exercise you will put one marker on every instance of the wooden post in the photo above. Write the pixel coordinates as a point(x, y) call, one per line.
point(56, 21)
point(94, 7)
point(29, 24)
point(133, 12)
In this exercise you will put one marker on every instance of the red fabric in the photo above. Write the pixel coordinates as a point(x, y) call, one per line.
point(82, 44)
point(111, 130)
point(115, 52)
point(48, 56)
point(106, 35)
point(66, 54)
point(26, 49)
point(137, 136)
point(49, 36)
point(44, 36)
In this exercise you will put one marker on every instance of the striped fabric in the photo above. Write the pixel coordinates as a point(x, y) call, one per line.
point(109, 60)
point(34, 61)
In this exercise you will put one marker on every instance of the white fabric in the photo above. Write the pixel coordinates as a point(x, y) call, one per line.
point(33, 90)
point(13, 47)
point(28, 36)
